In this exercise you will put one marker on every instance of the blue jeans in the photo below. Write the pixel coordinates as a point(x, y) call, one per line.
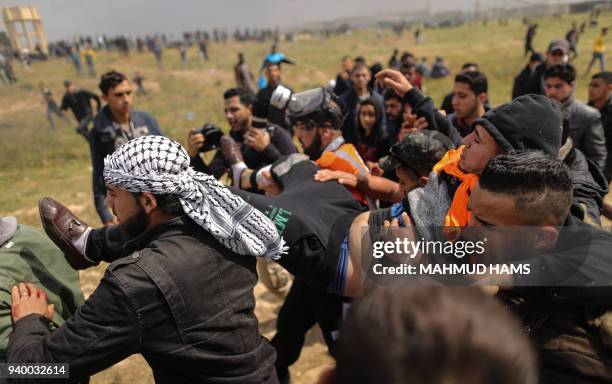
point(602, 62)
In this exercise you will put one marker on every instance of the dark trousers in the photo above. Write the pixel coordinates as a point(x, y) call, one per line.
point(528, 47)
point(304, 307)
point(83, 126)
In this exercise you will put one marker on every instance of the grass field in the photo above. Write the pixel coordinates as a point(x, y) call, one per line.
point(35, 161)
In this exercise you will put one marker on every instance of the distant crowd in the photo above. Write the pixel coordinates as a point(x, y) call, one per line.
point(376, 159)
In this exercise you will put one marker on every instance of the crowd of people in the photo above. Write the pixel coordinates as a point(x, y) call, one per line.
point(571, 39)
point(375, 155)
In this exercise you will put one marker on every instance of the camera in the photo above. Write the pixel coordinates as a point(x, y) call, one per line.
point(212, 136)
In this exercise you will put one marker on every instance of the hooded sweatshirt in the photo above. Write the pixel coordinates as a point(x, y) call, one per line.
point(376, 145)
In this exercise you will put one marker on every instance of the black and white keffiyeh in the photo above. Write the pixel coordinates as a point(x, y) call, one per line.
point(159, 165)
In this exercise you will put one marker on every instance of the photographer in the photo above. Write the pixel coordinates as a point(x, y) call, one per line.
point(261, 143)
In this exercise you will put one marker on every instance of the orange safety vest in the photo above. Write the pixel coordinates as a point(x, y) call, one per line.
point(458, 214)
point(346, 159)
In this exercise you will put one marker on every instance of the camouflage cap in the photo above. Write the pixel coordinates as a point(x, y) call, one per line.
point(419, 151)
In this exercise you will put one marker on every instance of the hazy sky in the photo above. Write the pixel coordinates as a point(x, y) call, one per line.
point(64, 18)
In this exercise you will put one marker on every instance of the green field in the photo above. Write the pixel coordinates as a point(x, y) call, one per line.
point(36, 162)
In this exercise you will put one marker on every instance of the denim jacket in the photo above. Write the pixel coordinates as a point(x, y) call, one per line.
point(178, 297)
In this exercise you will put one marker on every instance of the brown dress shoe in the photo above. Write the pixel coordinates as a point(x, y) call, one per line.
point(64, 228)
point(230, 150)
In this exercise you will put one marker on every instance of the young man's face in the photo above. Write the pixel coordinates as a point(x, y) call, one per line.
point(361, 78)
point(347, 64)
point(237, 114)
point(480, 147)
point(393, 110)
point(409, 73)
point(599, 90)
point(534, 64)
point(126, 207)
point(488, 213)
point(465, 102)
point(556, 57)
point(70, 88)
point(273, 74)
point(508, 233)
point(315, 139)
point(558, 89)
point(119, 99)
point(492, 209)
point(306, 137)
point(408, 179)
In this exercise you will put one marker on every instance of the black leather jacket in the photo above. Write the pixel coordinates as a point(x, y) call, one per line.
point(587, 131)
point(178, 297)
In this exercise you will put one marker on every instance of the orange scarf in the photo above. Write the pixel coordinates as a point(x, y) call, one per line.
point(458, 214)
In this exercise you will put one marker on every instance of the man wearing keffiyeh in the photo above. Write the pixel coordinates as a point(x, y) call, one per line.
point(181, 294)
point(155, 165)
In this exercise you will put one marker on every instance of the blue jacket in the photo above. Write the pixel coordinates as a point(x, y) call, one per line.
point(104, 138)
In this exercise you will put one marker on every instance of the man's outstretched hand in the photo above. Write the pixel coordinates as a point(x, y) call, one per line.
point(28, 299)
point(394, 80)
